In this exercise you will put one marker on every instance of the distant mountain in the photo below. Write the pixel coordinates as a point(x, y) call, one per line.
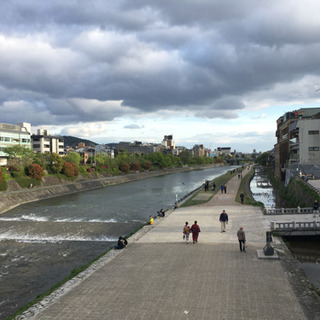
point(74, 141)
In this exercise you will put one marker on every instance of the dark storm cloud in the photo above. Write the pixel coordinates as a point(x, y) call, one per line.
point(73, 61)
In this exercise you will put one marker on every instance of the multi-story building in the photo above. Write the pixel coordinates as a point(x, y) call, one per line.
point(198, 150)
point(222, 151)
point(43, 142)
point(14, 135)
point(168, 142)
point(298, 140)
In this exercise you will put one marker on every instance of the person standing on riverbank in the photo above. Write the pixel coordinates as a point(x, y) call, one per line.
point(315, 208)
point(242, 239)
point(195, 229)
point(242, 197)
point(223, 220)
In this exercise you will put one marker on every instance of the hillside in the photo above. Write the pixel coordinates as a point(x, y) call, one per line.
point(73, 141)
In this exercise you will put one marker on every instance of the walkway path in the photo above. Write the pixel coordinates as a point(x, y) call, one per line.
point(160, 277)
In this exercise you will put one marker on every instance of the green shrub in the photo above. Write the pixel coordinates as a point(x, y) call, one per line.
point(26, 182)
point(3, 185)
point(5, 176)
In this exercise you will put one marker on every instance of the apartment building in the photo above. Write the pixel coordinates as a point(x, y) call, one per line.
point(298, 140)
point(14, 135)
point(43, 142)
point(168, 142)
point(222, 151)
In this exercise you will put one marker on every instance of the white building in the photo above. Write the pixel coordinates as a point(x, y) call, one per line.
point(43, 142)
point(14, 135)
point(305, 142)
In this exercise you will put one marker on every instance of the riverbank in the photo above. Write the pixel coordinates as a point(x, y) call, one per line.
point(157, 268)
point(53, 188)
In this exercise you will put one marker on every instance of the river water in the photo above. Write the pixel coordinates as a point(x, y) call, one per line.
point(42, 242)
point(305, 249)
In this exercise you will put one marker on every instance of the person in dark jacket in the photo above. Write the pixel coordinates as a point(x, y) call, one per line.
point(122, 243)
point(242, 197)
point(315, 208)
point(223, 220)
point(242, 239)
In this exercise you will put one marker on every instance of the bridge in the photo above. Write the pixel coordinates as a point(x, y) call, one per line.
point(296, 228)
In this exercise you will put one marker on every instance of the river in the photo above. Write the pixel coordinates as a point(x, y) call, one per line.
point(305, 249)
point(42, 242)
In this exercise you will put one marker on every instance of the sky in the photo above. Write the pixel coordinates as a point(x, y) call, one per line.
point(217, 73)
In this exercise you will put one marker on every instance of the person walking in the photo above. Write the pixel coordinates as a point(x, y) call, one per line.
point(225, 189)
point(195, 229)
point(223, 220)
point(242, 197)
point(186, 232)
point(315, 208)
point(242, 239)
point(222, 188)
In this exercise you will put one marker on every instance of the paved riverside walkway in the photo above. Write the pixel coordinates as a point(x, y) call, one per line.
point(158, 276)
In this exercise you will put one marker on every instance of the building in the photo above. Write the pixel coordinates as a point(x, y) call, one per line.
point(222, 151)
point(137, 147)
point(168, 142)
point(43, 142)
point(14, 135)
point(198, 150)
point(298, 141)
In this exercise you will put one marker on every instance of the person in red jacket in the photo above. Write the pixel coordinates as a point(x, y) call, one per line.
point(195, 229)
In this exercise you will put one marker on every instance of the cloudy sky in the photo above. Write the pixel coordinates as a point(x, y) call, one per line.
point(218, 73)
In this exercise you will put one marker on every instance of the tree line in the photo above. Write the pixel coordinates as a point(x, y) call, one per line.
point(28, 167)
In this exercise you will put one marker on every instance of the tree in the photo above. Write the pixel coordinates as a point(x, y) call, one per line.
point(135, 166)
point(19, 154)
point(263, 158)
point(185, 156)
point(35, 171)
point(73, 157)
point(55, 163)
point(124, 167)
point(68, 169)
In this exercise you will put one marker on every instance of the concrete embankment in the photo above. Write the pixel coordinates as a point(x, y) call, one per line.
point(15, 198)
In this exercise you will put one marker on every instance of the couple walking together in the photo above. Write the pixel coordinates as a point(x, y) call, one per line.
point(195, 229)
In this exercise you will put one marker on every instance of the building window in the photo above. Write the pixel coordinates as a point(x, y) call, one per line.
point(7, 139)
point(313, 131)
point(36, 146)
point(313, 148)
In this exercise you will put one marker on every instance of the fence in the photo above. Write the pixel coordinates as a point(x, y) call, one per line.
point(280, 211)
point(294, 225)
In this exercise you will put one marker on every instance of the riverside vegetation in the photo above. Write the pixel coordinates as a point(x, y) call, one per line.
point(28, 168)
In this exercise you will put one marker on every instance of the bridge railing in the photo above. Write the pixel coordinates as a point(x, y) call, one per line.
point(294, 225)
point(279, 211)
